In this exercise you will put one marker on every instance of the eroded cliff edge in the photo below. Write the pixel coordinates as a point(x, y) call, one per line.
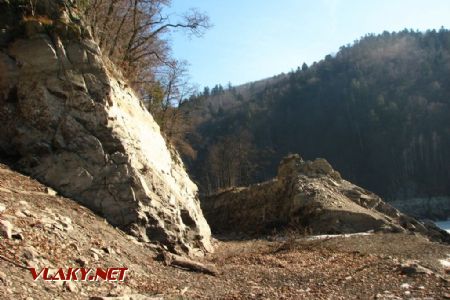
point(310, 196)
point(71, 122)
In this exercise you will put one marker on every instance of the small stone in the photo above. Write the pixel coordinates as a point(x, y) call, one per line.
point(23, 203)
point(6, 229)
point(20, 214)
point(119, 290)
point(2, 207)
point(128, 297)
point(108, 250)
point(96, 251)
point(50, 191)
point(70, 286)
point(27, 213)
point(58, 226)
point(66, 222)
point(2, 277)
point(30, 253)
point(18, 236)
point(47, 221)
point(411, 268)
point(407, 293)
point(405, 286)
point(81, 261)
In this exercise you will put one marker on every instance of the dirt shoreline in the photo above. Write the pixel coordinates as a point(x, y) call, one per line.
point(283, 266)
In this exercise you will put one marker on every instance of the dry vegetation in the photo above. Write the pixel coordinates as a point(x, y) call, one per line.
point(133, 34)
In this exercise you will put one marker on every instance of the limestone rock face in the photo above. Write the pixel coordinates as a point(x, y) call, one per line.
point(73, 124)
point(308, 195)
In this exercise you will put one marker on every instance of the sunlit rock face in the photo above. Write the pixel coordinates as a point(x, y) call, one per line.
point(309, 196)
point(71, 122)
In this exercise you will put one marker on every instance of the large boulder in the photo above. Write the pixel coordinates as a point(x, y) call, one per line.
point(310, 196)
point(71, 122)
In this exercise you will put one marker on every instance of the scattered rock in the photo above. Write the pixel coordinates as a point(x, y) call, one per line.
point(20, 214)
point(405, 286)
point(27, 213)
point(17, 236)
point(66, 222)
point(108, 250)
point(23, 204)
point(129, 297)
point(119, 290)
point(47, 221)
point(24, 213)
point(71, 286)
point(2, 277)
point(411, 268)
point(30, 253)
point(82, 261)
point(2, 207)
point(387, 295)
point(6, 229)
point(50, 191)
point(96, 251)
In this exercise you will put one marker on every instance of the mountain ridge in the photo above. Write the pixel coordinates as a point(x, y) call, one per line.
point(376, 110)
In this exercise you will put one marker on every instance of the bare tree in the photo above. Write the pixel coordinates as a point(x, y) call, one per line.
point(229, 162)
point(164, 99)
point(133, 34)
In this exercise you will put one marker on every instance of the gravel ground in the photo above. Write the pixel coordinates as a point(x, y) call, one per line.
point(60, 233)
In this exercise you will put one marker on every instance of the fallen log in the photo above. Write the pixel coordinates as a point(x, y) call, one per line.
point(174, 260)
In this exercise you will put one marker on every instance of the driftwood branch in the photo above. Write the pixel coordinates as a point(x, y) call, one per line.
point(174, 260)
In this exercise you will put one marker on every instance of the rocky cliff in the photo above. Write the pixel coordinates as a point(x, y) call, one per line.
point(71, 122)
point(310, 196)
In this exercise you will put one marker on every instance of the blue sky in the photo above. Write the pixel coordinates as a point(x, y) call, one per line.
point(255, 39)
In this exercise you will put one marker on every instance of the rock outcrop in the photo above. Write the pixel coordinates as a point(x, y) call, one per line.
point(311, 196)
point(71, 122)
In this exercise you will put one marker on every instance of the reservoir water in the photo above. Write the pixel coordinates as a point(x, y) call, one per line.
point(444, 225)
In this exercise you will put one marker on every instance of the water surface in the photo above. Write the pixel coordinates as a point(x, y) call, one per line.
point(444, 225)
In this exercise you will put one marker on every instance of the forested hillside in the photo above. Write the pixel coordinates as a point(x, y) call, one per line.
point(378, 110)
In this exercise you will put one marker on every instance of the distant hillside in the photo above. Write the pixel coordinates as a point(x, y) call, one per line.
point(379, 110)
